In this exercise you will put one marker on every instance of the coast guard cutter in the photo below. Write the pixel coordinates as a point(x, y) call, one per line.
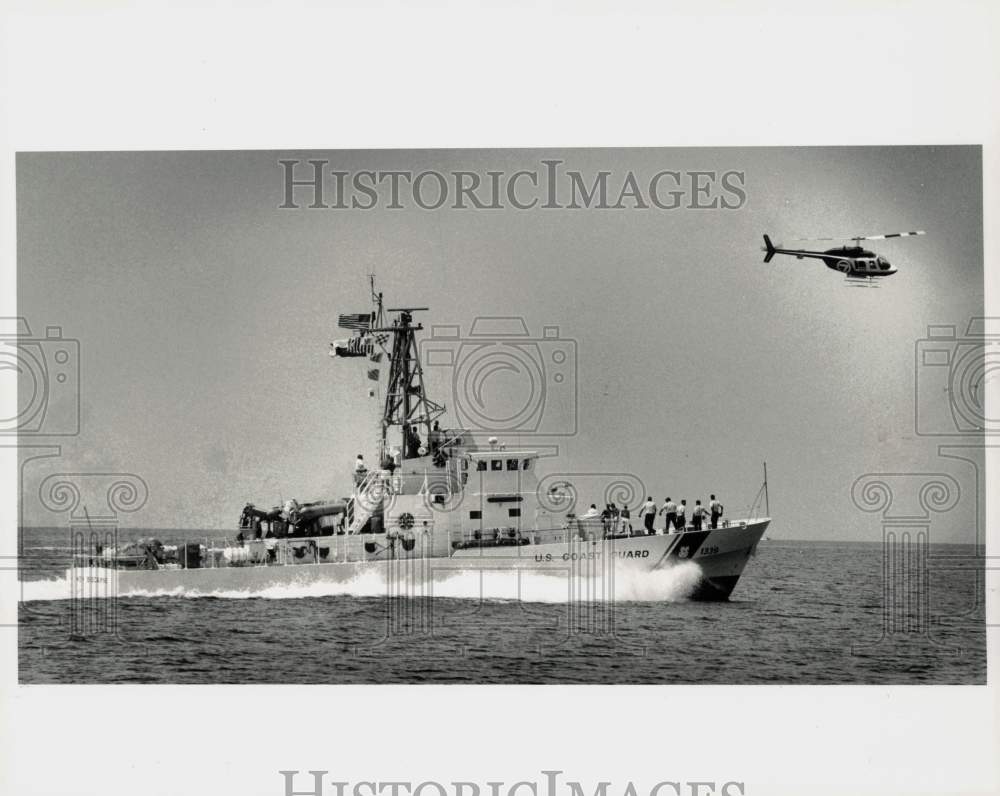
point(434, 502)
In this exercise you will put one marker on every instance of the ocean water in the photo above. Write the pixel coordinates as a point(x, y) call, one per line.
point(803, 613)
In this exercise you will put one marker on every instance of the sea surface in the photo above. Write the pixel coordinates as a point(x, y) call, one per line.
point(803, 613)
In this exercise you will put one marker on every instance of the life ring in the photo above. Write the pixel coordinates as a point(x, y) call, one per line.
point(406, 520)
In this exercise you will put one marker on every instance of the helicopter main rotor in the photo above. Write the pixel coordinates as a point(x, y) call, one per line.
point(859, 238)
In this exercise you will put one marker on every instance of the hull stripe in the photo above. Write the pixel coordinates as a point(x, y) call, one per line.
point(688, 545)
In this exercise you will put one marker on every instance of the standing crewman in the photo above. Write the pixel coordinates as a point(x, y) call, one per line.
point(698, 515)
point(615, 518)
point(648, 515)
point(669, 510)
point(680, 521)
point(715, 507)
point(606, 517)
point(360, 470)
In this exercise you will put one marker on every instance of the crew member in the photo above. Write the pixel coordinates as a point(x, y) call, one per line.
point(616, 527)
point(680, 521)
point(715, 507)
point(360, 470)
point(606, 517)
point(626, 520)
point(669, 510)
point(698, 515)
point(648, 515)
point(587, 522)
point(412, 440)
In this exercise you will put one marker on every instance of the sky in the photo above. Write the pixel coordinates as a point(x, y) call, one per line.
point(204, 313)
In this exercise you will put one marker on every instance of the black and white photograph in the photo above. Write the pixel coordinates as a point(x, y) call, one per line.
point(516, 416)
point(499, 399)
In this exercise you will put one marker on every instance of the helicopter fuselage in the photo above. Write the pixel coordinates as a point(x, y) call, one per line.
point(854, 261)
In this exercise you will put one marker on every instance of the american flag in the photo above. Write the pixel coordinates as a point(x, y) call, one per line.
point(356, 320)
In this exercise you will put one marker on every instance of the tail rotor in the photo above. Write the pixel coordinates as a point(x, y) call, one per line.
point(769, 248)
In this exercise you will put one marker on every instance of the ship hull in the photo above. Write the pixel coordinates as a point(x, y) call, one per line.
point(721, 555)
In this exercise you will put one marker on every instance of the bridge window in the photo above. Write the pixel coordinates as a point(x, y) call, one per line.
point(512, 464)
point(481, 465)
point(526, 464)
point(496, 464)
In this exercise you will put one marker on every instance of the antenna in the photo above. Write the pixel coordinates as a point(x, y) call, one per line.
point(376, 302)
point(767, 507)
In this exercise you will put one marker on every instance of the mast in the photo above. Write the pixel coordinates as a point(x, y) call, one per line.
point(406, 402)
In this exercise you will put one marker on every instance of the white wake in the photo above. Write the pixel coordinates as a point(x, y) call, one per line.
point(671, 584)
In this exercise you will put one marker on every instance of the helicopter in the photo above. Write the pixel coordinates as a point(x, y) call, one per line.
point(857, 264)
